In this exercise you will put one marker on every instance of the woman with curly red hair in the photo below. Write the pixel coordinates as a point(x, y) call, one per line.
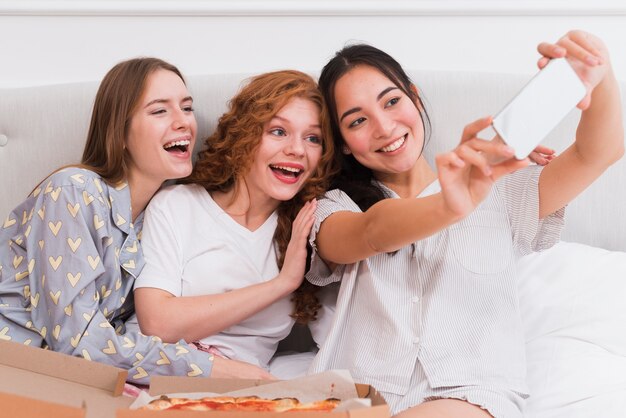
point(226, 250)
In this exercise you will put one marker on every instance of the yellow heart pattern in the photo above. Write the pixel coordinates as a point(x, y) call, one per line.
point(74, 244)
point(9, 222)
point(110, 348)
point(87, 317)
point(164, 360)
point(20, 276)
point(128, 343)
point(27, 233)
point(139, 358)
point(180, 350)
point(140, 373)
point(132, 249)
point(4, 334)
point(73, 278)
point(98, 185)
point(93, 262)
point(105, 292)
point(75, 340)
point(97, 222)
point(55, 296)
point(195, 370)
point(87, 198)
point(56, 331)
point(17, 261)
point(24, 218)
point(34, 300)
point(68, 310)
point(31, 266)
point(55, 194)
point(78, 178)
point(86, 355)
point(130, 264)
point(54, 227)
point(55, 262)
point(41, 242)
point(42, 212)
point(120, 220)
point(73, 209)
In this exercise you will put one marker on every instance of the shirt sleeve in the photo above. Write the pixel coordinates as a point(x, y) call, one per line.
point(521, 194)
point(334, 201)
point(70, 233)
point(162, 251)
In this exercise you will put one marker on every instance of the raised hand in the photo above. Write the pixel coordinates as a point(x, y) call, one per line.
point(585, 52)
point(292, 272)
point(465, 173)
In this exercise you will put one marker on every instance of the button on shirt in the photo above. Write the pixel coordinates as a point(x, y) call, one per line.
point(69, 256)
point(448, 301)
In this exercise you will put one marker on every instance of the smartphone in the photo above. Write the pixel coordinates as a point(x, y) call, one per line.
point(541, 104)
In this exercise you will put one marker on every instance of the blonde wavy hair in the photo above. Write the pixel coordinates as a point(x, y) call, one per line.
point(230, 151)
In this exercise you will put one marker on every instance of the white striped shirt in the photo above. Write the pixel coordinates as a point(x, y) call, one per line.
point(449, 301)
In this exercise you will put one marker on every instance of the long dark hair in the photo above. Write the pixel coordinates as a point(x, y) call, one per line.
point(353, 178)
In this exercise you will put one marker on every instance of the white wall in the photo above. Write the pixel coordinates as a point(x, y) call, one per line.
point(44, 42)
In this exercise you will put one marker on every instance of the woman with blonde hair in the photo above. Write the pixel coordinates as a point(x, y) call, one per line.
point(70, 252)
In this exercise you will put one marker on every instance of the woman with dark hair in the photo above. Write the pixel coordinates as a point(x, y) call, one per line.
point(223, 257)
point(70, 252)
point(427, 311)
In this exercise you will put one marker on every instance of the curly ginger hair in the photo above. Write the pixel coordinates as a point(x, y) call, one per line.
point(230, 150)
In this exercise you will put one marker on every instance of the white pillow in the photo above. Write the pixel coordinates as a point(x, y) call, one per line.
point(573, 304)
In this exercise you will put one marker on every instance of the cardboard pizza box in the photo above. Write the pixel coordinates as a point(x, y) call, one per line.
point(66, 385)
point(161, 385)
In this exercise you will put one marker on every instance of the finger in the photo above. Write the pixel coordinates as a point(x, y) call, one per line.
point(550, 50)
point(475, 158)
point(583, 39)
point(543, 61)
point(538, 158)
point(508, 167)
point(542, 149)
point(574, 50)
point(449, 159)
point(470, 131)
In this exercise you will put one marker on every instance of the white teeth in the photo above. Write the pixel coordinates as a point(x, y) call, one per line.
point(393, 146)
point(291, 169)
point(183, 142)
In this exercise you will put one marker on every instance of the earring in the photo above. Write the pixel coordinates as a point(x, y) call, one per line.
point(346, 150)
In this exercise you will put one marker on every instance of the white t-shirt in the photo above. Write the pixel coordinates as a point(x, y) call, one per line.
point(192, 247)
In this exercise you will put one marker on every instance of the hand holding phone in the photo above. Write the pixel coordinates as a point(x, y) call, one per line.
point(547, 98)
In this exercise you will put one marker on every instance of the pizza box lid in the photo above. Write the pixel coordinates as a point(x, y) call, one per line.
point(16, 406)
point(44, 375)
point(173, 384)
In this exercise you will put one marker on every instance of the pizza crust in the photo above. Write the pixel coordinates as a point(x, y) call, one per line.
point(244, 403)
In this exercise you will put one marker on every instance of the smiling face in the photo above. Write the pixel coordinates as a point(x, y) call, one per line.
point(289, 150)
point(162, 131)
point(380, 124)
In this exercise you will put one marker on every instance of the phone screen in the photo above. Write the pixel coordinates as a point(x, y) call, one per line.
point(547, 98)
